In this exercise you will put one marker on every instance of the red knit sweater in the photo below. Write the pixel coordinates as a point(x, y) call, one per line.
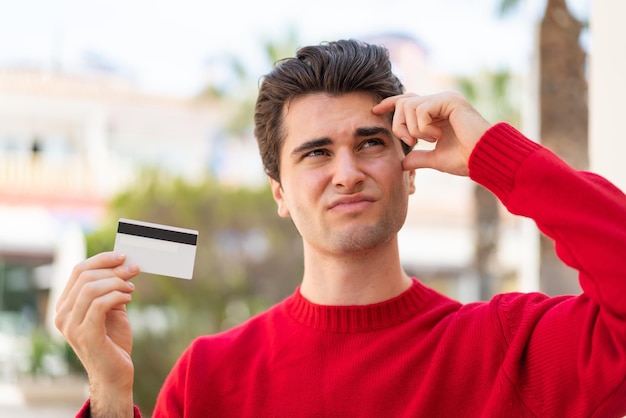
point(422, 354)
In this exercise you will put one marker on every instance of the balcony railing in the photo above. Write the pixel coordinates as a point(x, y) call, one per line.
point(69, 176)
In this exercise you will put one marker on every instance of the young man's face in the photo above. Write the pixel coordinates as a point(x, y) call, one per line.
point(341, 174)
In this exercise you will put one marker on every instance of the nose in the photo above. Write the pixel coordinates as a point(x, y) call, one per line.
point(348, 175)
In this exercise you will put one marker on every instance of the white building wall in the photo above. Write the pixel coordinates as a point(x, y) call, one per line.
point(607, 90)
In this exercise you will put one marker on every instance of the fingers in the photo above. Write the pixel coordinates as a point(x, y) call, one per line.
point(400, 123)
point(446, 119)
point(389, 104)
point(96, 286)
point(105, 263)
point(99, 261)
point(96, 298)
point(414, 116)
point(417, 159)
point(85, 325)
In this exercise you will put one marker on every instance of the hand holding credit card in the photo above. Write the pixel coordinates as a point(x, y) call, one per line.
point(157, 249)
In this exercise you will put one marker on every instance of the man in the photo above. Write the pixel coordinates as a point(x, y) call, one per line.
point(360, 338)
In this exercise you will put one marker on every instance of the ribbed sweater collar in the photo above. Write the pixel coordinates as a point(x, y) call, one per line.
point(357, 318)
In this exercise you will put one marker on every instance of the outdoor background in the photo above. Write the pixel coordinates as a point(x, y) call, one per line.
point(143, 109)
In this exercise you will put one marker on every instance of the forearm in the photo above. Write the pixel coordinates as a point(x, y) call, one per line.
point(583, 213)
point(583, 338)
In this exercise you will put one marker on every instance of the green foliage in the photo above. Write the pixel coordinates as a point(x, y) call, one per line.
point(40, 345)
point(71, 359)
point(496, 94)
point(507, 6)
point(240, 94)
point(247, 258)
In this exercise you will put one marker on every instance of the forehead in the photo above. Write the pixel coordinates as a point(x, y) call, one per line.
point(321, 114)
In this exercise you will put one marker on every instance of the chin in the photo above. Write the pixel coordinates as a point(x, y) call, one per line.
point(362, 239)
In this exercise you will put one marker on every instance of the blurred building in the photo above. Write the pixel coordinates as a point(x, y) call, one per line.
point(607, 87)
point(68, 142)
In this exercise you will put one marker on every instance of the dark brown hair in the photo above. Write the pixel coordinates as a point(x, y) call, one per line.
point(335, 68)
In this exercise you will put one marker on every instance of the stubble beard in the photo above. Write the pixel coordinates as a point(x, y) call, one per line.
point(364, 238)
point(359, 238)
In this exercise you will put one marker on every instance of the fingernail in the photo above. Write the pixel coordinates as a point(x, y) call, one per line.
point(131, 268)
point(118, 256)
point(131, 285)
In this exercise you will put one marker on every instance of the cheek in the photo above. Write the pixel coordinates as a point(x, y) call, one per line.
point(391, 169)
point(304, 194)
point(396, 180)
point(289, 202)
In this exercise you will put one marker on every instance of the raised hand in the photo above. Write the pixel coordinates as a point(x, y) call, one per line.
point(91, 314)
point(445, 119)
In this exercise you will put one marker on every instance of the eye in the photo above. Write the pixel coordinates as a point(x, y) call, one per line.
point(372, 142)
point(315, 153)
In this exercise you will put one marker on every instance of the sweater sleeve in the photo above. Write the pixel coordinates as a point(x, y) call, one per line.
point(85, 411)
point(571, 344)
point(581, 211)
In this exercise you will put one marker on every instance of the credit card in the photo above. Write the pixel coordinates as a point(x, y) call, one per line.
point(157, 249)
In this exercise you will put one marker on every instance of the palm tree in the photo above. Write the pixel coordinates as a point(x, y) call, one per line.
point(240, 94)
point(563, 114)
point(492, 92)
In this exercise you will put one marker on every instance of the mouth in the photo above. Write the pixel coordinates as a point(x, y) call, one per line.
point(351, 204)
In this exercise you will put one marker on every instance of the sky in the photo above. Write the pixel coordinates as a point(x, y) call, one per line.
point(165, 46)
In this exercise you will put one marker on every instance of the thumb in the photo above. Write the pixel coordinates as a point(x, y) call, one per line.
point(418, 159)
point(437, 160)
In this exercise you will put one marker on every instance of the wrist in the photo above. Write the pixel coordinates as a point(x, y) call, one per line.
point(112, 402)
point(113, 408)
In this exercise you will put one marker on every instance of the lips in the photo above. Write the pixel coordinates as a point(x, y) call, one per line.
point(355, 202)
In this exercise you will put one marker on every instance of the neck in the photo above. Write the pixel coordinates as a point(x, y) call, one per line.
point(360, 278)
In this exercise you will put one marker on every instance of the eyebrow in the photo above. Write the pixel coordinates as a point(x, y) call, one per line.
point(325, 141)
point(372, 130)
point(311, 145)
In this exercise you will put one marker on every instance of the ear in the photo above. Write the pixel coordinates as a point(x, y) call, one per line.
point(277, 193)
point(411, 181)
